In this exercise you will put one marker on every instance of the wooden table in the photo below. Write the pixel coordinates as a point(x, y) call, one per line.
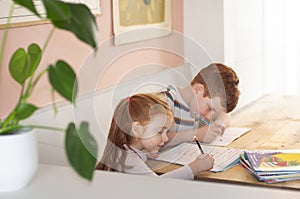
point(275, 123)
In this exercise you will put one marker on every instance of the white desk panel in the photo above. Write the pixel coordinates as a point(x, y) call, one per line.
point(62, 182)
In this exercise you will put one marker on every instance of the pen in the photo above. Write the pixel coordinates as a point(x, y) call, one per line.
point(199, 146)
point(199, 117)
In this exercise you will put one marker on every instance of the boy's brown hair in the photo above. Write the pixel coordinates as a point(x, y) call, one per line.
point(219, 81)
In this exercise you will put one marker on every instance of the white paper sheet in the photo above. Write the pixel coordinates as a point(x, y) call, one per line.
point(230, 134)
point(188, 152)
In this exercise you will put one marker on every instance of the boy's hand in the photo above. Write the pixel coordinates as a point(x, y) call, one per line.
point(214, 131)
point(217, 127)
point(208, 134)
point(222, 119)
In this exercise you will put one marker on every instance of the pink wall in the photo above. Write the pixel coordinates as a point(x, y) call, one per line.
point(65, 46)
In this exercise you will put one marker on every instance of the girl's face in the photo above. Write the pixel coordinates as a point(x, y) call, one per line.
point(152, 136)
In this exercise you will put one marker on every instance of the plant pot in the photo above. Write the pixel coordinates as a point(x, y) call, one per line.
point(18, 160)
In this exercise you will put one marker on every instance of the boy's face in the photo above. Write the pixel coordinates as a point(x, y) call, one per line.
point(207, 107)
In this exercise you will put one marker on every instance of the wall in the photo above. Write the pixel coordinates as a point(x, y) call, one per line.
point(66, 46)
point(203, 23)
point(244, 27)
point(230, 31)
point(281, 47)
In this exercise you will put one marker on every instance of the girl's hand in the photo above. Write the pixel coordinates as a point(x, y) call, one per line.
point(203, 162)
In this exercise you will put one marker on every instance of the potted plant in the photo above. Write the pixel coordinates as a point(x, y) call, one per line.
point(77, 19)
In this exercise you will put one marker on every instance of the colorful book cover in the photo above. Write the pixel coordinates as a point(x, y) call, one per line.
point(269, 176)
point(274, 160)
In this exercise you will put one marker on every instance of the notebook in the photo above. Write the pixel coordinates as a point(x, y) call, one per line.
point(185, 153)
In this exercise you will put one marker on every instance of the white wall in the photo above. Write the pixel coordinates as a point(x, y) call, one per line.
point(243, 47)
point(282, 47)
point(231, 31)
point(203, 23)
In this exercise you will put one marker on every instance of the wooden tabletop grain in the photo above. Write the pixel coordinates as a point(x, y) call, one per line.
point(275, 124)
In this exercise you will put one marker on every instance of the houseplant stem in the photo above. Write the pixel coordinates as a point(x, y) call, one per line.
point(2, 131)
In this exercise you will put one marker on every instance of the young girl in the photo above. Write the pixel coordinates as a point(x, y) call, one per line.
point(138, 128)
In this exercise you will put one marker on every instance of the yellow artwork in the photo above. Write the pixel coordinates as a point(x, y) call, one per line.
point(141, 19)
point(138, 12)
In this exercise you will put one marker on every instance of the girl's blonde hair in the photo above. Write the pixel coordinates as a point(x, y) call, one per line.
point(137, 108)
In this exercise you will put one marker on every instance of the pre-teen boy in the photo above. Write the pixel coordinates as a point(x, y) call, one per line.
point(211, 95)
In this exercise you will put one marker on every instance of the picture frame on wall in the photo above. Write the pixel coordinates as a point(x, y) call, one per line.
point(137, 20)
point(23, 17)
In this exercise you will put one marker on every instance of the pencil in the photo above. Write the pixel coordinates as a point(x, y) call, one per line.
point(199, 146)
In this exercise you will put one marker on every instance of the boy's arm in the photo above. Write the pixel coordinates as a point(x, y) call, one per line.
point(204, 133)
point(186, 136)
point(217, 127)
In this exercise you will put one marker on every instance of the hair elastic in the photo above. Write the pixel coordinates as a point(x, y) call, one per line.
point(128, 99)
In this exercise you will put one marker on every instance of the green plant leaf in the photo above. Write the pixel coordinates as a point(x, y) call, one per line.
point(27, 4)
point(19, 66)
point(57, 10)
point(22, 64)
point(81, 150)
point(76, 18)
point(63, 80)
point(35, 55)
point(25, 110)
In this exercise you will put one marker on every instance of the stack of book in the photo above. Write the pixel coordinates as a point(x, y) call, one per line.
point(272, 166)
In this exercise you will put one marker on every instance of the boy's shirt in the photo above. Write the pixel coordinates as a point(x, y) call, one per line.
point(181, 112)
